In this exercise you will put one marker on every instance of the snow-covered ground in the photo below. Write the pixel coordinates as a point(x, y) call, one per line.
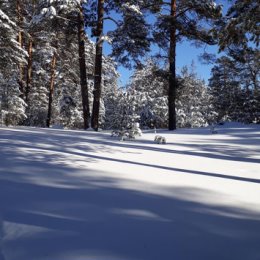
point(75, 195)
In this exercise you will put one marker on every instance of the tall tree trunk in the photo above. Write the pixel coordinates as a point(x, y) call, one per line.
point(20, 41)
point(30, 59)
point(98, 68)
point(29, 69)
point(82, 67)
point(172, 63)
point(51, 89)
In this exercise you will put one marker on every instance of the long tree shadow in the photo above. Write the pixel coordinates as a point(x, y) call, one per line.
point(85, 157)
point(43, 222)
point(61, 140)
point(59, 154)
point(51, 210)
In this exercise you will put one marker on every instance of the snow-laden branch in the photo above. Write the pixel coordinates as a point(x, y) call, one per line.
point(132, 8)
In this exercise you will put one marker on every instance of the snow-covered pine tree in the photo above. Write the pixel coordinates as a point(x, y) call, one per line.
point(67, 17)
point(238, 30)
point(68, 91)
point(193, 100)
point(21, 12)
point(234, 85)
point(194, 107)
point(114, 101)
point(150, 86)
point(12, 55)
point(38, 96)
point(110, 78)
point(224, 88)
point(10, 49)
point(121, 109)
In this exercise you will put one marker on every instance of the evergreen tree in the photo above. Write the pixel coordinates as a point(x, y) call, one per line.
point(194, 106)
point(234, 85)
point(193, 100)
point(12, 55)
point(224, 87)
point(10, 50)
point(150, 86)
point(241, 24)
point(68, 16)
point(129, 40)
point(109, 95)
point(177, 20)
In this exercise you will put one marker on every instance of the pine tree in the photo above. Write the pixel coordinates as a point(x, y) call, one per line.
point(241, 24)
point(110, 90)
point(177, 20)
point(235, 85)
point(12, 55)
point(98, 65)
point(193, 101)
point(129, 40)
point(69, 15)
point(10, 49)
point(194, 106)
point(150, 86)
point(224, 87)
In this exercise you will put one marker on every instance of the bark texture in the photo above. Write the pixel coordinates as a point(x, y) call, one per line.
point(172, 76)
point(98, 68)
point(51, 89)
point(82, 69)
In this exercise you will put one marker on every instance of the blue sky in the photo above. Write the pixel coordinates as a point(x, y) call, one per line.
point(186, 55)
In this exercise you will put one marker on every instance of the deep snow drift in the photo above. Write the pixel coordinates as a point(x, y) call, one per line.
point(75, 195)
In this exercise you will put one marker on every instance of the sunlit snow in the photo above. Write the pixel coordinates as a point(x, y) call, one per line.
point(81, 195)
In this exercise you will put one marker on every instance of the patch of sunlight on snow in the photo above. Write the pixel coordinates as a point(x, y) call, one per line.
point(13, 231)
point(53, 215)
point(235, 215)
point(24, 130)
point(53, 183)
point(90, 254)
point(140, 214)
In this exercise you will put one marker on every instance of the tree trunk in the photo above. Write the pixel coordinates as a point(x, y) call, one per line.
point(51, 89)
point(172, 76)
point(29, 70)
point(20, 41)
point(98, 68)
point(82, 68)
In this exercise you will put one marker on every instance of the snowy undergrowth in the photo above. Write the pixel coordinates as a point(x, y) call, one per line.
point(74, 195)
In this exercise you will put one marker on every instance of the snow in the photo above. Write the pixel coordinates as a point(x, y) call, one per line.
point(133, 8)
point(79, 195)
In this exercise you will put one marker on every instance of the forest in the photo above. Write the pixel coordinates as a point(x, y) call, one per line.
point(54, 73)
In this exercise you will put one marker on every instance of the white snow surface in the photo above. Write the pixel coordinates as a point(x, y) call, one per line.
point(82, 195)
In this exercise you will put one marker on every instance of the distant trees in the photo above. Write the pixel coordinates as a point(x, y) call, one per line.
point(51, 72)
point(12, 57)
point(235, 85)
point(145, 100)
point(149, 85)
point(193, 104)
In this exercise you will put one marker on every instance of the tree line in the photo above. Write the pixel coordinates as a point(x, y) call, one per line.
point(53, 73)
